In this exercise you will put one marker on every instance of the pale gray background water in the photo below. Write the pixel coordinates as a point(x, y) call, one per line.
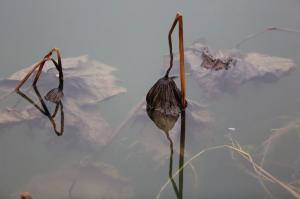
point(132, 36)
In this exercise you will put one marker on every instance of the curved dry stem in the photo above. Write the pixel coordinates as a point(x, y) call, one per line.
point(276, 134)
point(178, 19)
point(171, 46)
point(234, 143)
point(39, 65)
point(35, 66)
point(195, 175)
point(252, 36)
point(258, 170)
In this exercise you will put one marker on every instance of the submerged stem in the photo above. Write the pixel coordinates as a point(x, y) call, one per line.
point(264, 31)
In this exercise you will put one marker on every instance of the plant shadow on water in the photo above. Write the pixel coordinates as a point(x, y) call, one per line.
point(216, 73)
point(165, 102)
point(44, 110)
point(82, 127)
point(77, 103)
point(55, 95)
point(166, 122)
point(162, 121)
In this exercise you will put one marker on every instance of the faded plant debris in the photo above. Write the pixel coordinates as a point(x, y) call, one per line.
point(86, 83)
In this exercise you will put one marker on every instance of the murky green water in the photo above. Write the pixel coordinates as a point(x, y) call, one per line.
point(132, 37)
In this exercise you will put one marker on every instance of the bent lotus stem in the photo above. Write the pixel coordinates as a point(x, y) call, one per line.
point(61, 75)
point(40, 64)
point(178, 19)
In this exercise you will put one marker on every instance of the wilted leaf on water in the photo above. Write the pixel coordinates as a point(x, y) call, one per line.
point(242, 68)
point(154, 141)
point(11, 116)
point(98, 180)
point(86, 82)
point(82, 126)
point(7, 87)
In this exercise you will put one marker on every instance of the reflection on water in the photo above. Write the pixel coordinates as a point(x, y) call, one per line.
point(181, 158)
point(178, 189)
point(85, 82)
point(55, 95)
point(44, 110)
point(166, 122)
point(165, 102)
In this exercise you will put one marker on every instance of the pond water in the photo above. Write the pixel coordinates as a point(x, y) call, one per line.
point(130, 157)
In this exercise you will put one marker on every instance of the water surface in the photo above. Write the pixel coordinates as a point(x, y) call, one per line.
point(132, 37)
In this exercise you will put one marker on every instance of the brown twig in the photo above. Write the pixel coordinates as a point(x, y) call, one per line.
point(40, 64)
point(259, 171)
point(272, 28)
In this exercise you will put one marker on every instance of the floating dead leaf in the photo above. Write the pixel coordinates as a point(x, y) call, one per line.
point(225, 70)
point(86, 82)
point(243, 68)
